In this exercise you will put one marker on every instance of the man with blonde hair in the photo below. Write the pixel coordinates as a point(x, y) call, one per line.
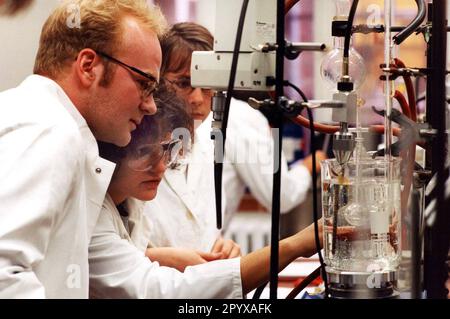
point(95, 73)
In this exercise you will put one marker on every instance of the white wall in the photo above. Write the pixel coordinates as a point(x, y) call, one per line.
point(19, 38)
point(206, 14)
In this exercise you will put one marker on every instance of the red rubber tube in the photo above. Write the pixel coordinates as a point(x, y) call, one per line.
point(409, 90)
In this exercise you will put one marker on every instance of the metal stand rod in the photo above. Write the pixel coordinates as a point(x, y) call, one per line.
point(275, 234)
point(437, 236)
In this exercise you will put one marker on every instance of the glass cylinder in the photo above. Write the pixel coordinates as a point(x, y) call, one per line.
point(361, 215)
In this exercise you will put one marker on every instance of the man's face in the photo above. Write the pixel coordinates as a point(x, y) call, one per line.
point(198, 100)
point(119, 107)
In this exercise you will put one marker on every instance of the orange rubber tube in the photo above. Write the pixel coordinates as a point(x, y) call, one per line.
point(322, 128)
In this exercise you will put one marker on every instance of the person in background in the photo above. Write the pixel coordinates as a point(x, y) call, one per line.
point(12, 7)
point(183, 213)
point(92, 82)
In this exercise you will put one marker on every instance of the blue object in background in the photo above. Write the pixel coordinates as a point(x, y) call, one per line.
point(293, 142)
point(306, 295)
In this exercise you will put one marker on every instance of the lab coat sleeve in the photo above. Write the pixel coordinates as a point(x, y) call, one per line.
point(37, 170)
point(119, 270)
point(250, 152)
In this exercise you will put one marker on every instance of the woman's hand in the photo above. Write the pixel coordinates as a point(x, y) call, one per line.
point(227, 247)
point(180, 258)
point(320, 156)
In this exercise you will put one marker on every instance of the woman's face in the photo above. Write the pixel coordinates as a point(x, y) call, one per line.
point(142, 185)
point(198, 100)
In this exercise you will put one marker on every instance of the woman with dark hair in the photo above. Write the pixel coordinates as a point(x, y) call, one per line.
point(188, 218)
point(183, 213)
point(119, 249)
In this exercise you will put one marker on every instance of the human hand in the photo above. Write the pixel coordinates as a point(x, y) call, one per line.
point(320, 156)
point(180, 258)
point(227, 247)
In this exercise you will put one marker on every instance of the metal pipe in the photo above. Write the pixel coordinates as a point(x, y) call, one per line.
point(416, 253)
point(278, 123)
point(388, 84)
point(438, 234)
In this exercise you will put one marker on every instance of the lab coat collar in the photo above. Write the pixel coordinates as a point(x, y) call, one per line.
point(98, 178)
point(176, 180)
point(138, 234)
point(202, 156)
point(134, 208)
point(111, 207)
point(203, 129)
point(98, 170)
point(43, 84)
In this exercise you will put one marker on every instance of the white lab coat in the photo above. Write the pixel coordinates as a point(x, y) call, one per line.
point(249, 163)
point(120, 269)
point(183, 213)
point(52, 186)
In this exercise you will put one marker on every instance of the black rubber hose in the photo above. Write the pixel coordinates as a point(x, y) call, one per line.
point(348, 31)
point(305, 282)
point(314, 182)
point(259, 291)
point(411, 28)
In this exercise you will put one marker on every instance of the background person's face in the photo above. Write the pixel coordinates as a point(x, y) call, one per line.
point(197, 100)
point(11, 7)
point(118, 108)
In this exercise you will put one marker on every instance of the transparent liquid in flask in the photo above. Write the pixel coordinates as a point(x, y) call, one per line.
point(361, 215)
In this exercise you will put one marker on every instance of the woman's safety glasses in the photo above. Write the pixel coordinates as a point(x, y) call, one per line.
point(149, 156)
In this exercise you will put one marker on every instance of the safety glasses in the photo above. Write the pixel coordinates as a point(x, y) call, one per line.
point(149, 156)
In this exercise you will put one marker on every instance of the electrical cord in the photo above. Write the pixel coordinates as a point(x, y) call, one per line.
point(314, 182)
point(218, 166)
point(305, 282)
point(259, 291)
